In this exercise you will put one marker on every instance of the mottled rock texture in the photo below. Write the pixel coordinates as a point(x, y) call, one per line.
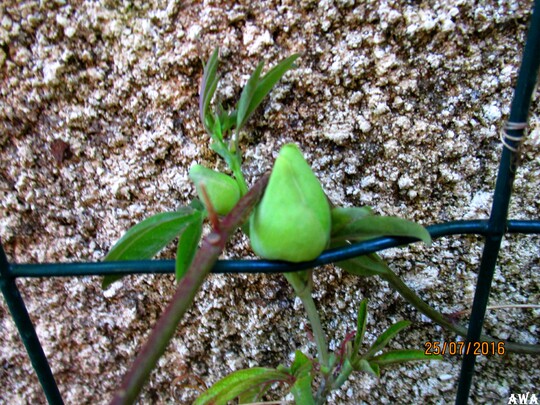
point(396, 104)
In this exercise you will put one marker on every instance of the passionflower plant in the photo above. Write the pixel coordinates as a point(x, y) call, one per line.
point(292, 222)
point(222, 190)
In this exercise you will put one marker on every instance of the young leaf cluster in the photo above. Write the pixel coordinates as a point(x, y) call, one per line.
point(372, 362)
point(220, 123)
point(250, 385)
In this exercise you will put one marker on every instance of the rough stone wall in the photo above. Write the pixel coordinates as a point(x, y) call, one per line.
point(397, 105)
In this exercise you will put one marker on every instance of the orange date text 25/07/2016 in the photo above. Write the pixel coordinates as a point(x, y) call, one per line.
point(459, 348)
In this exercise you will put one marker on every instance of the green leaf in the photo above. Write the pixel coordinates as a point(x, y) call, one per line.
point(219, 146)
point(360, 327)
point(342, 216)
point(381, 342)
point(247, 95)
point(365, 366)
point(301, 370)
point(208, 87)
point(301, 365)
point(227, 119)
point(208, 119)
point(147, 238)
point(144, 240)
point(375, 226)
point(187, 245)
point(401, 356)
point(268, 81)
point(217, 134)
point(367, 265)
point(327, 368)
point(301, 391)
point(238, 383)
point(221, 149)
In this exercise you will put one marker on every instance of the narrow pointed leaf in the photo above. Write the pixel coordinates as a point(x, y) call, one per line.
point(360, 326)
point(187, 245)
point(381, 342)
point(365, 366)
point(343, 216)
point(268, 81)
point(220, 148)
point(376, 368)
point(228, 120)
point(208, 86)
point(217, 134)
point(375, 226)
point(237, 383)
point(208, 119)
point(144, 240)
point(401, 356)
point(247, 96)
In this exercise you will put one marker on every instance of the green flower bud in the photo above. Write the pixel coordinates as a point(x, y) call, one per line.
point(222, 190)
point(292, 222)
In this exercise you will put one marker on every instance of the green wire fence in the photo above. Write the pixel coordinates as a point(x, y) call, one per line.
point(492, 230)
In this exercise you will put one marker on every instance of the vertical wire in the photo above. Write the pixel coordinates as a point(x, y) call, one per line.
point(503, 189)
point(27, 332)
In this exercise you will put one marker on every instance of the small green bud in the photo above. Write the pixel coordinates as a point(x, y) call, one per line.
point(292, 222)
point(222, 190)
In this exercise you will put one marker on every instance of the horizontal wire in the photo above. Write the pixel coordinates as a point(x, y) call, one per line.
point(478, 227)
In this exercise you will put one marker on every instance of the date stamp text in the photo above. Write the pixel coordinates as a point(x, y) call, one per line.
point(460, 348)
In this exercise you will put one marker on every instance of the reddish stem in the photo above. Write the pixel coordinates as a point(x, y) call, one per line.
point(212, 214)
point(166, 326)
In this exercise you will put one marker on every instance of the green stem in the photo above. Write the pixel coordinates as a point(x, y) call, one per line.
point(240, 180)
point(318, 332)
point(235, 164)
point(343, 375)
point(167, 324)
point(302, 288)
point(237, 144)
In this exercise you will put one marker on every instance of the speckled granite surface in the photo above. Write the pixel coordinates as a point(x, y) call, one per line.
point(397, 105)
